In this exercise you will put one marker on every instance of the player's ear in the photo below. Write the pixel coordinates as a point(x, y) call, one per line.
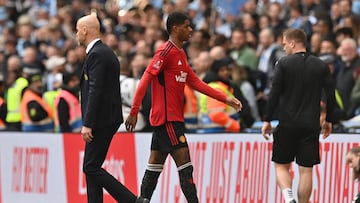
point(175, 28)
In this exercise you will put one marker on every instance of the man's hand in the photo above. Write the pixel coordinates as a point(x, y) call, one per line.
point(233, 102)
point(326, 129)
point(130, 123)
point(86, 134)
point(266, 130)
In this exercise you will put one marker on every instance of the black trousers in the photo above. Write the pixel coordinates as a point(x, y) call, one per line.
point(96, 177)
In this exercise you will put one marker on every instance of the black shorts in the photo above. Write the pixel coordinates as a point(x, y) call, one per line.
point(168, 137)
point(292, 143)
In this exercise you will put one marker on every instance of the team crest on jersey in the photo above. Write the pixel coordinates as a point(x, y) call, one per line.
point(158, 64)
point(182, 139)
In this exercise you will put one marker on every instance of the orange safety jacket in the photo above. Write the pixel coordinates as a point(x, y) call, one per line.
point(45, 125)
point(191, 110)
point(217, 116)
point(75, 120)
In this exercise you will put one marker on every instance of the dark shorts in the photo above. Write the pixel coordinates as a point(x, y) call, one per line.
point(169, 137)
point(301, 144)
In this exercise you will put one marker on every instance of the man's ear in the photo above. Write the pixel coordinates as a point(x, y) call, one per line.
point(175, 28)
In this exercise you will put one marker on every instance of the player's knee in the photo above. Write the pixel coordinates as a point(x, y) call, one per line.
point(150, 179)
point(152, 172)
point(185, 173)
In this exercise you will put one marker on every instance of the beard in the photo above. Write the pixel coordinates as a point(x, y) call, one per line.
point(346, 59)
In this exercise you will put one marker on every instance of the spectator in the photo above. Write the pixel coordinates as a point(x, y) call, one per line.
point(217, 53)
point(355, 95)
point(30, 59)
point(250, 21)
point(25, 32)
point(252, 38)
point(298, 20)
point(241, 53)
point(264, 21)
point(343, 33)
point(5, 22)
point(219, 40)
point(13, 64)
point(345, 79)
point(269, 53)
point(55, 67)
point(328, 46)
point(276, 22)
point(335, 14)
point(345, 10)
point(324, 26)
point(202, 64)
point(138, 65)
point(73, 62)
point(240, 78)
point(112, 41)
point(339, 114)
point(315, 41)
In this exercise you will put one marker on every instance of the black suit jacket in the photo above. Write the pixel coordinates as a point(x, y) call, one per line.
point(100, 88)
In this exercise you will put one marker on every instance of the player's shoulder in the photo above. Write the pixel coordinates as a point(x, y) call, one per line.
point(165, 49)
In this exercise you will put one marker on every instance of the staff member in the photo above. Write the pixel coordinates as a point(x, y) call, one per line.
point(36, 114)
point(101, 111)
point(296, 88)
point(68, 111)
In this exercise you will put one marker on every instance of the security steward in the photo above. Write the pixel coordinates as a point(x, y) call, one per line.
point(67, 105)
point(36, 114)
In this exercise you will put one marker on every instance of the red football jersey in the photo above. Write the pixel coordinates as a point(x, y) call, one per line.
point(170, 71)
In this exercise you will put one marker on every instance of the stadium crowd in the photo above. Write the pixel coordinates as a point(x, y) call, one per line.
point(41, 62)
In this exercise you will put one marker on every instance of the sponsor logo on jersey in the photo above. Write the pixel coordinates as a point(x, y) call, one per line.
point(182, 77)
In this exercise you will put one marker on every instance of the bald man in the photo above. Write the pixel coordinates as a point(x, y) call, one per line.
point(101, 112)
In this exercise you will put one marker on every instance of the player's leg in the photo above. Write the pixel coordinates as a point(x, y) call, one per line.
point(180, 154)
point(181, 157)
point(153, 170)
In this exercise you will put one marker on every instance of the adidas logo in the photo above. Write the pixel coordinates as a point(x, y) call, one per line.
point(179, 62)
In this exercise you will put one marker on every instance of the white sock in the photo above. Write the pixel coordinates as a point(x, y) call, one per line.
point(288, 195)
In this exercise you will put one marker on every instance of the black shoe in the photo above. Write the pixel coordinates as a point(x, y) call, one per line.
point(142, 200)
point(293, 201)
